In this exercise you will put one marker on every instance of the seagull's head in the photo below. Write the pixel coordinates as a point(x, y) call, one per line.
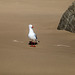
point(31, 26)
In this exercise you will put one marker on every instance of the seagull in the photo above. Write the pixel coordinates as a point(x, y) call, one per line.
point(32, 36)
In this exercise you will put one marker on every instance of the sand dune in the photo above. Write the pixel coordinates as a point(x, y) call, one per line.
point(54, 55)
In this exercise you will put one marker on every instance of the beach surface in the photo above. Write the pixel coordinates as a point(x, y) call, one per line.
point(54, 55)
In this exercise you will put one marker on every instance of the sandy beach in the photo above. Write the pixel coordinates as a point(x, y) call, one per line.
point(54, 55)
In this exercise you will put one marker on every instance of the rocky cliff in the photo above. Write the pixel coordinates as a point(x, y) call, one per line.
point(67, 21)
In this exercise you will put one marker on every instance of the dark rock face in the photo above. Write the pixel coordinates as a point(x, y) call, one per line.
point(67, 21)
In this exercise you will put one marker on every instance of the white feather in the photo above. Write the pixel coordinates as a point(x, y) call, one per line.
point(31, 34)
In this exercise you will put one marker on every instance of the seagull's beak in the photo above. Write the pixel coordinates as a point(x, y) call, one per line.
point(32, 27)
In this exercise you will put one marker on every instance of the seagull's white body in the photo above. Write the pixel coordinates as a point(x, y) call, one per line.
point(31, 34)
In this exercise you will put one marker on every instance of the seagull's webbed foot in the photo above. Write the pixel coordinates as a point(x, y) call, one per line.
point(32, 46)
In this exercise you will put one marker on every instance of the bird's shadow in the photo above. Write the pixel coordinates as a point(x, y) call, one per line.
point(32, 43)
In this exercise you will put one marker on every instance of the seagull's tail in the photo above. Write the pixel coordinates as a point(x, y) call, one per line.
point(37, 41)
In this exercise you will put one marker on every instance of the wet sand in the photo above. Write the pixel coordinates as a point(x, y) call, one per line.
point(54, 55)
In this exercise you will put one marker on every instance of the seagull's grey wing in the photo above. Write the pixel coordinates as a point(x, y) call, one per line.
point(36, 36)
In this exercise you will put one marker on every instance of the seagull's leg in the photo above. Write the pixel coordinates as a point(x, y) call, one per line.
point(31, 43)
point(34, 44)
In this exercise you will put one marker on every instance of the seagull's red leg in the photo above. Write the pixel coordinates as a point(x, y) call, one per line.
point(34, 45)
point(31, 44)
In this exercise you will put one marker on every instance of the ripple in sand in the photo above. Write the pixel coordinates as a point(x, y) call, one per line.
point(16, 41)
point(60, 45)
